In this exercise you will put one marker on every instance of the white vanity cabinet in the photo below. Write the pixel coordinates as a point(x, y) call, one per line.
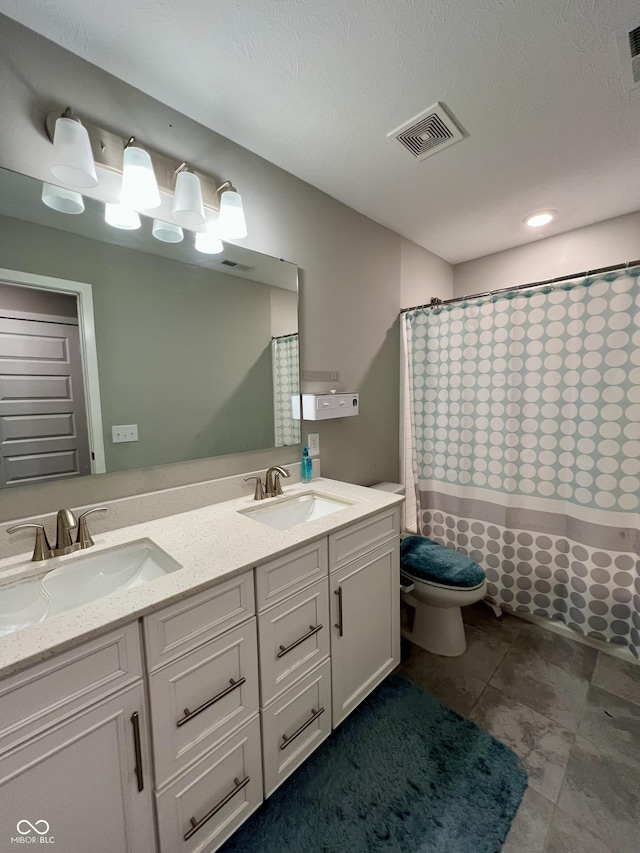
point(202, 663)
point(74, 759)
point(365, 608)
point(243, 680)
point(294, 643)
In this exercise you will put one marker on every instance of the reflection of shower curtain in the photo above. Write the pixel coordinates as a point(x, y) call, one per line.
point(526, 418)
point(286, 383)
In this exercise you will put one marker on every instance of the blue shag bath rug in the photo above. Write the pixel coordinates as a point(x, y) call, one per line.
point(402, 773)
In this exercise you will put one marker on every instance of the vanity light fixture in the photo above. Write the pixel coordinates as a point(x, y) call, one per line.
point(147, 177)
point(540, 218)
point(139, 185)
point(122, 217)
point(208, 242)
point(64, 201)
point(188, 208)
point(231, 221)
point(72, 161)
point(167, 231)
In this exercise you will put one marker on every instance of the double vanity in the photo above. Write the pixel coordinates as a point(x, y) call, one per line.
point(155, 689)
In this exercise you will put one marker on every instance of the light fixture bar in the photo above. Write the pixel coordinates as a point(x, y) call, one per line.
point(108, 152)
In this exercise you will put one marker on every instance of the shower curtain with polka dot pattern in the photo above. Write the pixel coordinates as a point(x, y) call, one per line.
point(525, 425)
point(285, 360)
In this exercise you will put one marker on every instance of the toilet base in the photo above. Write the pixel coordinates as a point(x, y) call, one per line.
point(438, 630)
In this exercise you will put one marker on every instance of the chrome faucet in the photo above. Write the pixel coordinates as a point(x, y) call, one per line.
point(272, 487)
point(65, 522)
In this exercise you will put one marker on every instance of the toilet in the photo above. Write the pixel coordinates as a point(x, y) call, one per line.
point(436, 582)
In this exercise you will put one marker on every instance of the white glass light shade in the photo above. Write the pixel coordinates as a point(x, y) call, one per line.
point(121, 217)
point(139, 185)
point(208, 242)
point(188, 209)
point(64, 201)
point(231, 222)
point(167, 231)
point(72, 161)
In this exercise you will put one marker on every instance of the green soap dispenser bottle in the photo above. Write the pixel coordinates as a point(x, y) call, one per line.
point(306, 466)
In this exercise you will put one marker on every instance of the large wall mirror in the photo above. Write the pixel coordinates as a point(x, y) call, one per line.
point(102, 328)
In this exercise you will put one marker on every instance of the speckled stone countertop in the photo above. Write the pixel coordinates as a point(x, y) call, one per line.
point(211, 544)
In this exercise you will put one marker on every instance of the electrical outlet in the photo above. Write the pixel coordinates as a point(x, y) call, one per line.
point(124, 432)
point(320, 376)
point(313, 443)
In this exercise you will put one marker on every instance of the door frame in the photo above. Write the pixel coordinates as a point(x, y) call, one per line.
point(89, 352)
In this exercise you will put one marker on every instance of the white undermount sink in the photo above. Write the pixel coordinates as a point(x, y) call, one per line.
point(288, 512)
point(81, 580)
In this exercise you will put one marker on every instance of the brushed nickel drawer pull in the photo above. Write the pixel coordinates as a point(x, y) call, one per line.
point(339, 624)
point(198, 824)
point(137, 747)
point(314, 716)
point(189, 715)
point(310, 633)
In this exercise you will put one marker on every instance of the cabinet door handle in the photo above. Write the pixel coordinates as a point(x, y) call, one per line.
point(189, 715)
point(338, 624)
point(284, 649)
point(198, 824)
point(314, 716)
point(135, 722)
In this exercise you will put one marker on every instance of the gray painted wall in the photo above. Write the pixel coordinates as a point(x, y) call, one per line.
point(424, 275)
point(614, 241)
point(350, 267)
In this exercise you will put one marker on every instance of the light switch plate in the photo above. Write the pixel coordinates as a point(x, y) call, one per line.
point(124, 432)
point(313, 443)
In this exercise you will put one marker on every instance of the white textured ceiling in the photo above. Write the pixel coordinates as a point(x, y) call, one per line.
point(315, 86)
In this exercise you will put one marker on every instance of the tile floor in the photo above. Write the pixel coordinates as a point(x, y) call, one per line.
point(570, 712)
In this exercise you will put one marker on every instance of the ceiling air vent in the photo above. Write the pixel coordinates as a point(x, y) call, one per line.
point(428, 132)
point(235, 265)
point(629, 50)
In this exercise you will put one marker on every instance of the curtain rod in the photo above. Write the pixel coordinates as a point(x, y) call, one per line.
point(280, 337)
point(436, 303)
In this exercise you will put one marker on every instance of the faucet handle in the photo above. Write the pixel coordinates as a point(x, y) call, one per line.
point(42, 549)
point(259, 492)
point(83, 537)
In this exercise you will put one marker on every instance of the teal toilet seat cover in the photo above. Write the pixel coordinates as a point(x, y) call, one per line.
point(426, 560)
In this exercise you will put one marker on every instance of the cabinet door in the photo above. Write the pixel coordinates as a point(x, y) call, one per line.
point(202, 697)
point(294, 725)
point(204, 806)
point(78, 783)
point(294, 638)
point(365, 630)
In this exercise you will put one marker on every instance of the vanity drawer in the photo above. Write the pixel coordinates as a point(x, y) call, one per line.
point(217, 794)
point(357, 539)
point(187, 624)
point(34, 699)
point(199, 699)
point(294, 725)
point(294, 637)
point(280, 578)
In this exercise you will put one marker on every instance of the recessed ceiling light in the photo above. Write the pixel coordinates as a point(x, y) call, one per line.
point(540, 218)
